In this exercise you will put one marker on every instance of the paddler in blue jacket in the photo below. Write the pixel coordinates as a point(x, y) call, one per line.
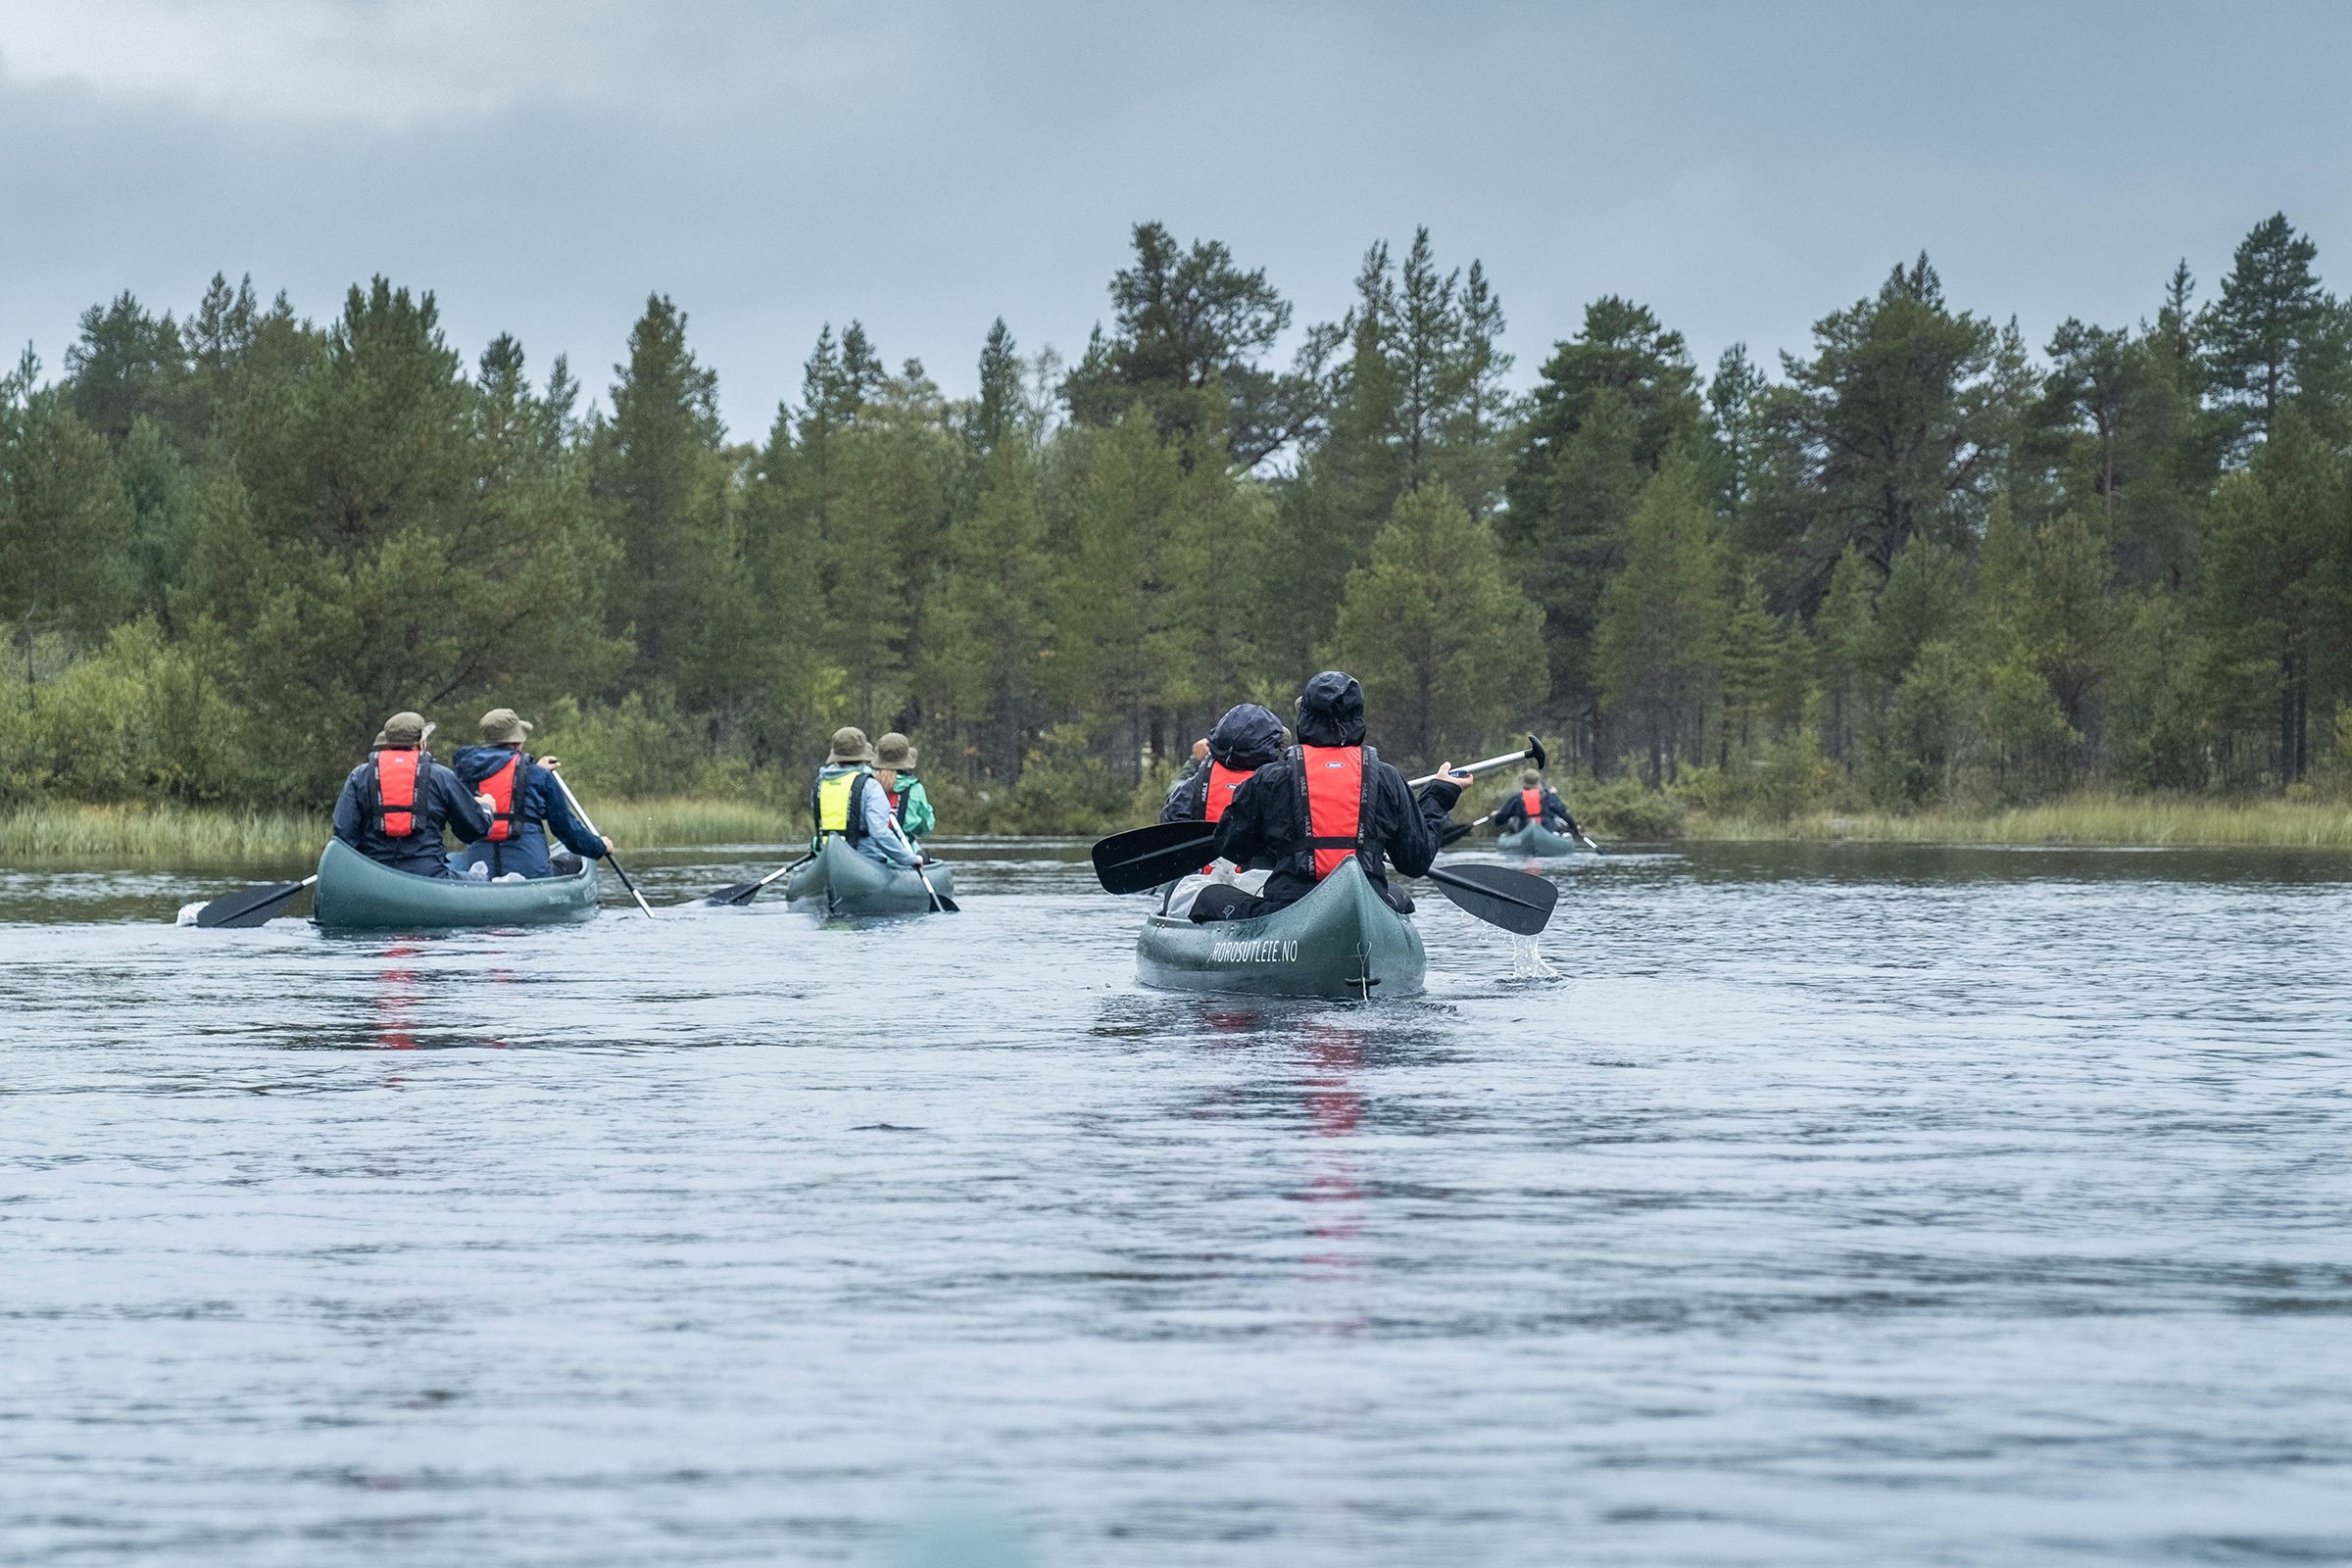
point(523, 795)
point(850, 803)
point(395, 805)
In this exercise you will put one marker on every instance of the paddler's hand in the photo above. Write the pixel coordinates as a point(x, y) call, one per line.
point(1201, 751)
point(489, 807)
point(607, 847)
point(550, 763)
point(1453, 775)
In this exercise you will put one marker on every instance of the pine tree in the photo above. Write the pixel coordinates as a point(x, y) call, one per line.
point(1472, 456)
point(2276, 337)
point(1903, 419)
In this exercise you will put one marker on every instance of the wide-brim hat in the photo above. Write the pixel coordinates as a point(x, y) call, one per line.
point(850, 745)
point(403, 729)
point(503, 726)
point(894, 750)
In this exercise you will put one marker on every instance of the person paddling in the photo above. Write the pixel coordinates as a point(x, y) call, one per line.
point(522, 794)
point(394, 805)
point(848, 802)
point(1535, 801)
point(1328, 800)
point(1244, 740)
point(910, 802)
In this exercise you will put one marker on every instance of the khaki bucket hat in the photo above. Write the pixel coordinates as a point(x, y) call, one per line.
point(894, 750)
point(503, 726)
point(403, 729)
point(1533, 779)
point(850, 745)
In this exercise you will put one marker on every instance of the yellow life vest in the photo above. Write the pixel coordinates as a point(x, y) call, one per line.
point(836, 805)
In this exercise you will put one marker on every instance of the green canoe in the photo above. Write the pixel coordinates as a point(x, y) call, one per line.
point(1340, 940)
point(357, 894)
point(841, 881)
point(1537, 840)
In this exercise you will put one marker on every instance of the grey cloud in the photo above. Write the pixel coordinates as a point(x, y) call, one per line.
point(928, 168)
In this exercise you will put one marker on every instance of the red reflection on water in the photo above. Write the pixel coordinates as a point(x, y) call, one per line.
point(396, 1001)
point(1334, 1106)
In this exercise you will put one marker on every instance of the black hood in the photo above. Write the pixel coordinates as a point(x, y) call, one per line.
point(1331, 710)
point(1247, 736)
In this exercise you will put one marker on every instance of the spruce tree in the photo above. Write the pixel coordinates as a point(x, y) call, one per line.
point(1440, 636)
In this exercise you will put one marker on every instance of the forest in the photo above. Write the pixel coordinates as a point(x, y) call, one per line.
point(1919, 562)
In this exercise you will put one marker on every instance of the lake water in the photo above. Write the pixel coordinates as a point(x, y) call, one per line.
point(1834, 1205)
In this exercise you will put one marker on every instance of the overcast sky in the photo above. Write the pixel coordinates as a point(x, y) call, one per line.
point(1740, 168)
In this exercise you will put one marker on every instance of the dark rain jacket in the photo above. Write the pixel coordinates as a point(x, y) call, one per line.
point(537, 799)
point(1247, 737)
point(1263, 821)
point(1513, 811)
point(442, 801)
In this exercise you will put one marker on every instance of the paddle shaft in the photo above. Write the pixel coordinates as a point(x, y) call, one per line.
point(581, 812)
point(1487, 766)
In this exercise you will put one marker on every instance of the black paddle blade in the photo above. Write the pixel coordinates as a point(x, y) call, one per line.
point(1140, 860)
point(742, 893)
point(248, 908)
point(1512, 900)
point(940, 901)
point(1535, 748)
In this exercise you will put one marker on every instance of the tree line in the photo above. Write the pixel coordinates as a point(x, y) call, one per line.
point(1919, 561)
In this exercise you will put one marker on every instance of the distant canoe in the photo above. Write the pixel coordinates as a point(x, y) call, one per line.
point(841, 881)
point(357, 894)
point(1537, 840)
point(1341, 941)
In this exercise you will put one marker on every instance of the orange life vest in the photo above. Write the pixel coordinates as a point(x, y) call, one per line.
point(1334, 799)
point(501, 788)
point(395, 804)
point(1531, 803)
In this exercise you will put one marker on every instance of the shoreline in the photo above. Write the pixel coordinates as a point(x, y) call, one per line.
point(204, 838)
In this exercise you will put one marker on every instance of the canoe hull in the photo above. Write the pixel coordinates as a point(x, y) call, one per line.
point(841, 881)
point(1537, 840)
point(1341, 941)
point(357, 894)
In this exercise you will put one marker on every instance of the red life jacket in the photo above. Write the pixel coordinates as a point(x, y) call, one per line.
point(1334, 796)
point(1219, 793)
point(501, 787)
point(394, 802)
point(1216, 794)
point(1531, 803)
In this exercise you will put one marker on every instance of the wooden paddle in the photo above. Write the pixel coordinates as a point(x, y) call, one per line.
point(1140, 860)
point(582, 813)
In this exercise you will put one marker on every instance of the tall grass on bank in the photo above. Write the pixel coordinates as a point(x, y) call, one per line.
point(2098, 821)
point(202, 837)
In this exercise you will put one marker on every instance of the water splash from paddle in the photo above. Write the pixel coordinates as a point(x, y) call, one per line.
point(1527, 960)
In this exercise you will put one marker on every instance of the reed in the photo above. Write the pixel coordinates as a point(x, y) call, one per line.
point(2102, 821)
point(202, 837)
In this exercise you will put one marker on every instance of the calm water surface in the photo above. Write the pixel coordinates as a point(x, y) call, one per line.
point(1831, 1205)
